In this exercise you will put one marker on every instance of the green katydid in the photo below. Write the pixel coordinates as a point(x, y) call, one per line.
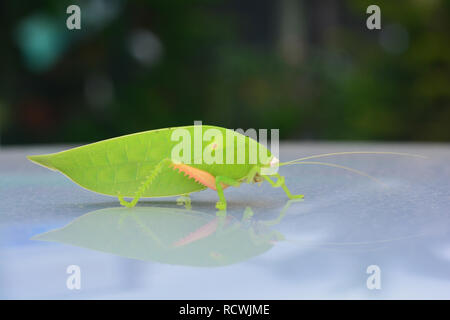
point(142, 165)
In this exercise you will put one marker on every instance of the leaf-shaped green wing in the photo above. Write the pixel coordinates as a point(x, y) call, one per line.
point(120, 165)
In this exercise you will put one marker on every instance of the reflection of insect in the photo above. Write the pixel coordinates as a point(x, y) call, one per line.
point(172, 235)
point(141, 165)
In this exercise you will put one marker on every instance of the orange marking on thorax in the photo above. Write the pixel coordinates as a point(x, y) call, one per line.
point(200, 176)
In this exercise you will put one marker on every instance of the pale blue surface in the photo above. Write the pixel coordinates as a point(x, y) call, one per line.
point(346, 223)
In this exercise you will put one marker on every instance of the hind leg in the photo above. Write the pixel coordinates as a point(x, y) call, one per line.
point(125, 203)
point(145, 185)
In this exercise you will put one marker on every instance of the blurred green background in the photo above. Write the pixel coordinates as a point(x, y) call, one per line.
point(310, 68)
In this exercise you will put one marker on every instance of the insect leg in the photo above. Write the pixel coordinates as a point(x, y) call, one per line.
point(185, 200)
point(145, 185)
point(222, 203)
point(280, 183)
point(252, 173)
point(248, 214)
point(281, 215)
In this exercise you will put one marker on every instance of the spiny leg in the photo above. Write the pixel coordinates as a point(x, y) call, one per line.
point(148, 181)
point(280, 183)
point(222, 203)
point(125, 203)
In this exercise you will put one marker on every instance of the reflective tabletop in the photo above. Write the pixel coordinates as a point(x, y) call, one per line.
point(352, 237)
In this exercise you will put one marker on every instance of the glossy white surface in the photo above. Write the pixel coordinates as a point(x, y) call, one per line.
point(345, 224)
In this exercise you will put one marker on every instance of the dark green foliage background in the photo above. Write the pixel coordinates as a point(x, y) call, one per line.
point(221, 64)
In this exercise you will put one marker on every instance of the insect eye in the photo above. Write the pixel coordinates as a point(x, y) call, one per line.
point(274, 162)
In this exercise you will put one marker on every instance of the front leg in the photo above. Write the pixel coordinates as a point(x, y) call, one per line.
point(281, 215)
point(221, 183)
point(280, 183)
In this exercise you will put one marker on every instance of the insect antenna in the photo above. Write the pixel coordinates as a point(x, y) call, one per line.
point(356, 243)
point(351, 152)
point(361, 173)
